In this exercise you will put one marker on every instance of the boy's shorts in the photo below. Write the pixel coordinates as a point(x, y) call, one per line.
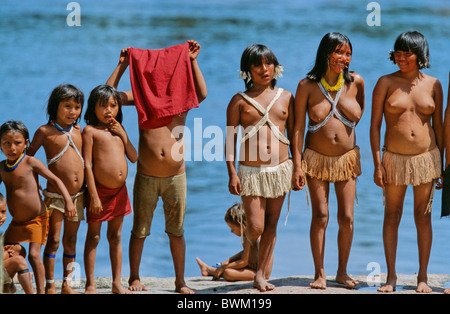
point(56, 201)
point(146, 192)
point(34, 230)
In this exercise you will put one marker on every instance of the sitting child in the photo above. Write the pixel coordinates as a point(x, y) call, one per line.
point(242, 266)
point(14, 261)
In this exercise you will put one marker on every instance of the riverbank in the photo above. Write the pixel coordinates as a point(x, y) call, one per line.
point(289, 285)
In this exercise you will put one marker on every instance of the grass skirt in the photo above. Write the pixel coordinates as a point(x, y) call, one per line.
point(412, 169)
point(332, 168)
point(268, 182)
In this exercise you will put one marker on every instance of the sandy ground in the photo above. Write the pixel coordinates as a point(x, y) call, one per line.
point(289, 285)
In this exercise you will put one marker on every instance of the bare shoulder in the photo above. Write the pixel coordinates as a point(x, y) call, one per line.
point(44, 130)
point(387, 80)
point(235, 101)
point(306, 83)
point(287, 97)
point(357, 78)
point(89, 129)
point(32, 161)
point(286, 94)
point(432, 80)
point(77, 128)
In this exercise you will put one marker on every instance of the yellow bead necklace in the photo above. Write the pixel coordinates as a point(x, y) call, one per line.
point(336, 87)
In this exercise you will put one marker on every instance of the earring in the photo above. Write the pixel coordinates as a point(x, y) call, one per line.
point(245, 76)
point(277, 73)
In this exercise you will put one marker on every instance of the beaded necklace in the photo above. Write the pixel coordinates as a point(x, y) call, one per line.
point(8, 168)
point(336, 87)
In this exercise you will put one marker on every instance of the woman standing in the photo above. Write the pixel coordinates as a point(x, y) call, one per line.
point(264, 173)
point(411, 103)
point(333, 98)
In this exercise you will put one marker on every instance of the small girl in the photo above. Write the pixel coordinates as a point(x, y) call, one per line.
point(242, 266)
point(105, 145)
point(61, 139)
point(29, 215)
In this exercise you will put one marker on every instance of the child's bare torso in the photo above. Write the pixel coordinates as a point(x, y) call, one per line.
point(108, 158)
point(69, 168)
point(161, 150)
point(22, 192)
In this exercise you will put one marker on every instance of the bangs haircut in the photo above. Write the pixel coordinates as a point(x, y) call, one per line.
point(15, 127)
point(61, 93)
point(329, 43)
point(416, 43)
point(254, 55)
point(101, 95)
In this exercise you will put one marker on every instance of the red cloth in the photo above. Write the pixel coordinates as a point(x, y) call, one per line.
point(115, 203)
point(162, 83)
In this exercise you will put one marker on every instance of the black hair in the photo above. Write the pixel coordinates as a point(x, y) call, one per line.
point(416, 43)
point(101, 95)
point(14, 126)
point(327, 46)
point(61, 93)
point(254, 55)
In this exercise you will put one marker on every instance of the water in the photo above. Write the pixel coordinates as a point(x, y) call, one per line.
point(40, 51)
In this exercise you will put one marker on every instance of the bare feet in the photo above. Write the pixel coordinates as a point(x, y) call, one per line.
point(422, 287)
point(347, 281)
point(91, 289)
point(183, 289)
point(389, 286)
point(320, 282)
point(50, 288)
point(119, 289)
point(66, 288)
point(135, 285)
point(447, 291)
point(262, 285)
point(204, 268)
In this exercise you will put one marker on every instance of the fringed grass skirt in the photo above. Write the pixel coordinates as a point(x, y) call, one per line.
point(268, 182)
point(332, 168)
point(412, 169)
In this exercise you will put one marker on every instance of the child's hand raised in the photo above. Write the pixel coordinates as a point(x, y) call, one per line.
point(194, 49)
point(116, 128)
point(124, 56)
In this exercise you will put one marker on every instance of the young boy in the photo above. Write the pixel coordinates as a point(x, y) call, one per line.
point(29, 215)
point(14, 261)
point(157, 166)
